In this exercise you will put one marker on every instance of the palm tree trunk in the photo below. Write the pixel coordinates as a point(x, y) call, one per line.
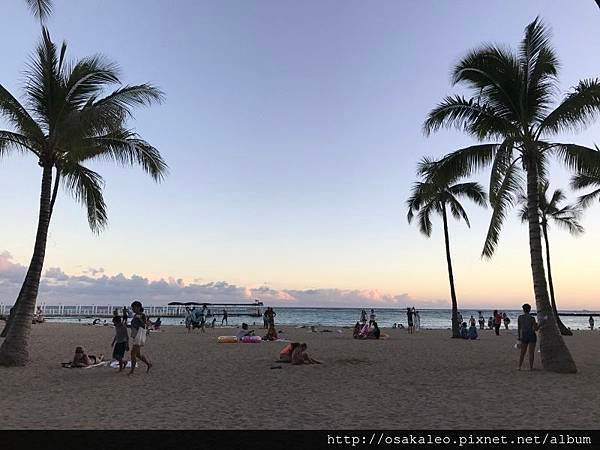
point(14, 308)
point(455, 324)
point(561, 326)
point(13, 351)
point(555, 354)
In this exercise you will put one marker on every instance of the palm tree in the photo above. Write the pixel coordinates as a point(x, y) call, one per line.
point(512, 103)
point(65, 123)
point(566, 217)
point(432, 197)
point(40, 8)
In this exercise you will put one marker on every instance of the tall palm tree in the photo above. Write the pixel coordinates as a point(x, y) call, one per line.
point(65, 123)
point(511, 103)
point(40, 8)
point(429, 197)
point(566, 217)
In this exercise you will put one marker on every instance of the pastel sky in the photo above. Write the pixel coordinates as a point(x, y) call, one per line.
point(292, 130)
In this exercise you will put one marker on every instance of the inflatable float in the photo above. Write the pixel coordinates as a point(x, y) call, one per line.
point(227, 340)
point(251, 339)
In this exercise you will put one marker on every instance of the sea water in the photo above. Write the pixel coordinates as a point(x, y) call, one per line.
point(347, 317)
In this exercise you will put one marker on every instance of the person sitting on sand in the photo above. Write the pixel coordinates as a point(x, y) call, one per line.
point(271, 334)
point(364, 332)
point(244, 332)
point(526, 328)
point(285, 355)
point(82, 359)
point(464, 332)
point(356, 330)
point(299, 356)
point(156, 325)
point(375, 333)
point(491, 323)
point(472, 332)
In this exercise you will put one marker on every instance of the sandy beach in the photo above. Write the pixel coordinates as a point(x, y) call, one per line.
point(426, 380)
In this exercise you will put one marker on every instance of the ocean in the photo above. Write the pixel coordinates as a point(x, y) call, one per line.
point(347, 317)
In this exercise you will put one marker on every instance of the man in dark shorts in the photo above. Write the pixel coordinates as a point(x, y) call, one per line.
point(409, 318)
point(527, 326)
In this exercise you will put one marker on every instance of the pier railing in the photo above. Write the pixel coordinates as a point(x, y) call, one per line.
point(152, 311)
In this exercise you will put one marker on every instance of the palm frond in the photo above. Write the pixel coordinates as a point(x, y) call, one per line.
point(578, 158)
point(41, 9)
point(126, 148)
point(479, 120)
point(473, 191)
point(578, 110)
point(583, 181)
point(10, 140)
point(17, 115)
point(86, 186)
point(505, 197)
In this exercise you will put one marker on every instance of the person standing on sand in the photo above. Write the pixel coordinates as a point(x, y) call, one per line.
point(481, 321)
point(497, 322)
point(526, 328)
point(120, 342)
point(224, 319)
point(417, 318)
point(372, 317)
point(138, 334)
point(591, 323)
point(459, 318)
point(266, 319)
point(409, 318)
point(363, 316)
point(506, 320)
point(472, 321)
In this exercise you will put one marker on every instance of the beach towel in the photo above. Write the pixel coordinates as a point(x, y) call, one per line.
point(115, 364)
point(69, 365)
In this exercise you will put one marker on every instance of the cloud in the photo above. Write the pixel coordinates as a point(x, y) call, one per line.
point(94, 286)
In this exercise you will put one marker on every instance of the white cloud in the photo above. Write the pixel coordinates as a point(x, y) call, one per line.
point(96, 287)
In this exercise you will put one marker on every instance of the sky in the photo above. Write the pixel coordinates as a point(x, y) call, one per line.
point(292, 131)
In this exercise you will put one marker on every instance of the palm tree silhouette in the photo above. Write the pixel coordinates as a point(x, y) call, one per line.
point(66, 123)
point(429, 196)
point(566, 217)
point(511, 103)
point(40, 8)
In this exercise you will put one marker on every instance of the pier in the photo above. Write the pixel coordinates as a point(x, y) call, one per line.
point(177, 310)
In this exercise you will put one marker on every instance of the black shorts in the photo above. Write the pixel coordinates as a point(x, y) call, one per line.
point(529, 339)
point(119, 350)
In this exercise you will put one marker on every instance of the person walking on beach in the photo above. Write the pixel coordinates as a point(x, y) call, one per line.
point(497, 322)
point(120, 342)
point(138, 334)
point(506, 320)
point(372, 317)
point(591, 323)
point(526, 328)
point(409, 318)
point(481, 321)
point(224, 319)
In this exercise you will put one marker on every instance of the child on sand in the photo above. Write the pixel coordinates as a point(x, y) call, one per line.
point(120, 342)
point(271, 334)
point(299, 356)
point(286, 353)
point(138, 334)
